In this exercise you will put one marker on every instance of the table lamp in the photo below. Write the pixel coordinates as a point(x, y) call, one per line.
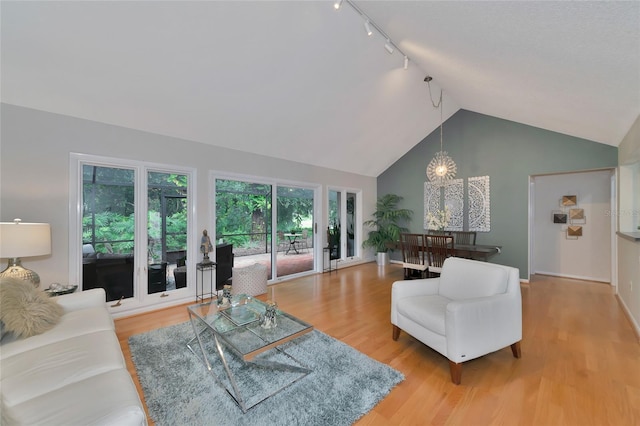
point(19, 239)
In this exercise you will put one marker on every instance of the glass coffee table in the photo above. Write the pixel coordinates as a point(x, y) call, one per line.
point(243, 356)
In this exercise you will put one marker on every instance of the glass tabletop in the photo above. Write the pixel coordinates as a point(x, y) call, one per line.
point(238, 325)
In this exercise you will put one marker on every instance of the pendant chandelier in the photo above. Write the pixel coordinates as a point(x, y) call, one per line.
point(442, 168)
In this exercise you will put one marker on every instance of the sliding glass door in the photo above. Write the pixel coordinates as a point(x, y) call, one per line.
point(244, 218)
point(295, 227)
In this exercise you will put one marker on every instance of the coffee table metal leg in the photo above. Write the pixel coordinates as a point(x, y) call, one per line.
point(236, 395)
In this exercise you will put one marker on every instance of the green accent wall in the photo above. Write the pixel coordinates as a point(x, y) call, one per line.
point(509, 153)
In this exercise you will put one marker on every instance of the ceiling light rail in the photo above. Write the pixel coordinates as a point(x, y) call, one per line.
point(389, 45)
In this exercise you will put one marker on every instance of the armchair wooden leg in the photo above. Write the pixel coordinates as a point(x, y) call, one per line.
point(456, 372)
point(396, 332)
point(515, 349)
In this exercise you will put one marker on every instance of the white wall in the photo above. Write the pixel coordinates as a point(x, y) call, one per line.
point(35, 149)
point(587, 257)
point(629, 250)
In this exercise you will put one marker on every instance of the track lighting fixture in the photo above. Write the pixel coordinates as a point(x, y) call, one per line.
point(367, 27)
point(389, 46)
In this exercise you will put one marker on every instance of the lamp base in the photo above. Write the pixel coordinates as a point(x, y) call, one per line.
point(16, 270)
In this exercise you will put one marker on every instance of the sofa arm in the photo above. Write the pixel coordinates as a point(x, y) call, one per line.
point(82, 299)
point(411, 288)
point(476, 327)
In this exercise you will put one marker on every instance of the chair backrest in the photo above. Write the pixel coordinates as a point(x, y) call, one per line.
point(439, 247)
point(305, 233)
point(464, 237)
point(467, 279)
point(413, 248)
point(438, 232)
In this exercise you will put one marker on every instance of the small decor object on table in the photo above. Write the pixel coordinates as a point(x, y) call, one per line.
point(269, 320)
point(205, 247)
point(57, 289)
point(226, 295)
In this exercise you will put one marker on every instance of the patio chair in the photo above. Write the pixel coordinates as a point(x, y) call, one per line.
point(302, 243)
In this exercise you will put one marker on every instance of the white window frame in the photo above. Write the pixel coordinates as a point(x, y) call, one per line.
point(140, 299)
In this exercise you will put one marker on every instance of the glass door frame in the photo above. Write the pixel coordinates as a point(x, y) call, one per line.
point(357, 221)
point(140, 297)
point(275, 183)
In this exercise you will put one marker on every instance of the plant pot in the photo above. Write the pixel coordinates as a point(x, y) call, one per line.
point(382, 259)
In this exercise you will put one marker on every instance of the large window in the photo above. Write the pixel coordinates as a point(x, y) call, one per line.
point(132, 230)
point(343, 235)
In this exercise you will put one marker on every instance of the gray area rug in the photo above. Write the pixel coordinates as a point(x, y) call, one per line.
point(343, 386)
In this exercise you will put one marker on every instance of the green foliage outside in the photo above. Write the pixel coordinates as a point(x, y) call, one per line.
point(243, 211)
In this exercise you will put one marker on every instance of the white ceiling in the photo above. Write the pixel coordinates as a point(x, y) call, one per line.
point(301, 81)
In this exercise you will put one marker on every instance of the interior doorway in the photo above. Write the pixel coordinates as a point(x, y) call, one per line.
point(571, 225)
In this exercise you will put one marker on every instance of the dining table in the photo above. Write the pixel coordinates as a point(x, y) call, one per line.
point(481, 252)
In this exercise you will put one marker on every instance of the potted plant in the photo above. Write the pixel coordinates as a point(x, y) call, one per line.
point(387, 220)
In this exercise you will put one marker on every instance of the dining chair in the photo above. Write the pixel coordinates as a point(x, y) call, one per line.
point(413, 255)
point(464, 237)
point(439, 248)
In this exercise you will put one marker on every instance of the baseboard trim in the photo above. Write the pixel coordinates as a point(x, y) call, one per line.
point(573, 277)
point(634, 325)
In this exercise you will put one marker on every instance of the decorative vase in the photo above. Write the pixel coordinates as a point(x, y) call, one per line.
point(382, 259)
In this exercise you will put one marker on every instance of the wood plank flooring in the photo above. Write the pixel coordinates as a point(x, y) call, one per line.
point(580, 360)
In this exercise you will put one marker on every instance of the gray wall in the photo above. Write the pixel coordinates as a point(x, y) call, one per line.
point(34, 172)
point(509, 153)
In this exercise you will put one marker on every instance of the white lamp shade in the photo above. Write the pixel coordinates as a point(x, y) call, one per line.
point(18, 239)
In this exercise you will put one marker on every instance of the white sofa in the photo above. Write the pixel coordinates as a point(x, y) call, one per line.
point(72, 374)
point(472, 309)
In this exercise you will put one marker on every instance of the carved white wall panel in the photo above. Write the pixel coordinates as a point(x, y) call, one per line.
point(479, 204)
point(431, 201)
point(454, 201)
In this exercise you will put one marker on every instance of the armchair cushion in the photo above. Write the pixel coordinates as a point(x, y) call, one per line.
point(427, 311)
point(463, 282)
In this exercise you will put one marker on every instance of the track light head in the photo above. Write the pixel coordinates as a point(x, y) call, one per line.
point(367, 28)
point(389, 46)
point(406, 62)
point(337, 4)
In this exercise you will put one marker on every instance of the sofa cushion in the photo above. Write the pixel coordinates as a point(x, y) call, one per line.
point(74, 323)
point(48, 368)
point(104, 399)
point(468, 279)
point(26, 311)
point(427, 311)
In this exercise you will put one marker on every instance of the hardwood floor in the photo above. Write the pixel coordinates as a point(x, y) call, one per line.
point(580, 360)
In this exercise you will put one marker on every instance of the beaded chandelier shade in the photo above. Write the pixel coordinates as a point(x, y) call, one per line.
point(441, 168)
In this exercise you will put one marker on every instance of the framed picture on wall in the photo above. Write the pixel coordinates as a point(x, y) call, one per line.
point(574, 231)
point(559, 217)
point(576, 215)
point(569, 200)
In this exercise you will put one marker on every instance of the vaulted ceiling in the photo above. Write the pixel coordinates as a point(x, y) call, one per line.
point(302, 81)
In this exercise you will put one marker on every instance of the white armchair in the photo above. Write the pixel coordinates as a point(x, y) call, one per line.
point(472, 309)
